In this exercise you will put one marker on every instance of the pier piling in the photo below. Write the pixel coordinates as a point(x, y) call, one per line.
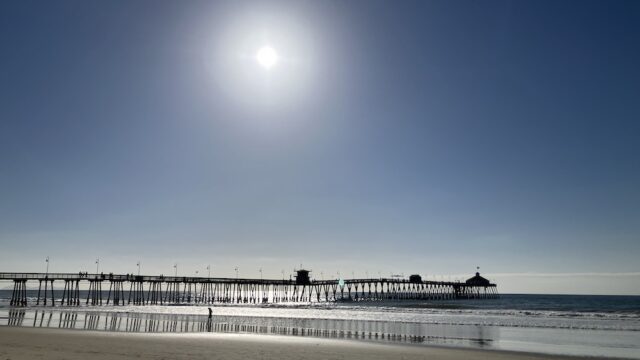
point(160, 290)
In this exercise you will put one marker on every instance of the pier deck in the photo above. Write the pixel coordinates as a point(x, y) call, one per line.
point(125, 289)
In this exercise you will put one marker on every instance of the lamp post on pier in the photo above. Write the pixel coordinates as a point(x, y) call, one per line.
point(47, 261)
point(138, 268)
point(236, 273)
point(209, 270)
point(97, 265)
point(175, 270)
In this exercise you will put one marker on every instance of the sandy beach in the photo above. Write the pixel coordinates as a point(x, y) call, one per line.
point(24, 343)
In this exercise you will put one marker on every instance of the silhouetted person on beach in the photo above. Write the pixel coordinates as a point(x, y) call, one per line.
point(209, 320)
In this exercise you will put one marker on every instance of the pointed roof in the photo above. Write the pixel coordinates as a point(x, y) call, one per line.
point(478, 281)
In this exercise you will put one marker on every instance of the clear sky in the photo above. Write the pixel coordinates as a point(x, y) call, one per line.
point(392, 137)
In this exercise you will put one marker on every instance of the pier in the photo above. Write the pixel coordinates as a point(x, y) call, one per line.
point(118, 290)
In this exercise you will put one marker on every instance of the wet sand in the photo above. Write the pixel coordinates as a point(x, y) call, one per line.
point(27, 343)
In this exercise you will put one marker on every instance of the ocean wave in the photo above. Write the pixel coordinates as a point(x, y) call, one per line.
point(461, 313)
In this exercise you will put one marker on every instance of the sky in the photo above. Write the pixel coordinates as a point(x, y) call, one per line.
point(427, 137)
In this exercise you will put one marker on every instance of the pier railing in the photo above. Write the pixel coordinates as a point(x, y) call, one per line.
point(160, 289)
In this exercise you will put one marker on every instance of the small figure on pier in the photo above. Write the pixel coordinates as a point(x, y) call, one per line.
point(210, 313)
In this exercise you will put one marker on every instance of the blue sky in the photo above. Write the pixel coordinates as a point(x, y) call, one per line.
point(412, 137)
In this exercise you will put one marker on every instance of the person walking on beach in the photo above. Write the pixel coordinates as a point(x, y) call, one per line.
point(209, 320)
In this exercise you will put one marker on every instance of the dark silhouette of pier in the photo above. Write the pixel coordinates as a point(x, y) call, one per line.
point(170, 290)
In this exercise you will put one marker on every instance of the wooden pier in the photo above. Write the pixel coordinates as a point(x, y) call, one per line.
point(119, 290)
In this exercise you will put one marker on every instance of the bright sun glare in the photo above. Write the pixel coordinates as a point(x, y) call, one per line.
point(267, 57)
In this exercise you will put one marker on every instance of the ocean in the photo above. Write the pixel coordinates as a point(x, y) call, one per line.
point(607, 326)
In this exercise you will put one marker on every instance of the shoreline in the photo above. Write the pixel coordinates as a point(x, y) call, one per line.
point(551, 342)
point(31, 343)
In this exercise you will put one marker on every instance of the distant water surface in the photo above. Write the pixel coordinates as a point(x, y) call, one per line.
point(557, 324)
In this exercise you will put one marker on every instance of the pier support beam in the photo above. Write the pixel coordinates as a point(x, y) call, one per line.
point(19, 294)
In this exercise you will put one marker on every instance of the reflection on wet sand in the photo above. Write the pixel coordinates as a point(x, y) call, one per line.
point(477, 336)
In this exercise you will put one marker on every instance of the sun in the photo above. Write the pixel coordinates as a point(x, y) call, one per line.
point(267, 57)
